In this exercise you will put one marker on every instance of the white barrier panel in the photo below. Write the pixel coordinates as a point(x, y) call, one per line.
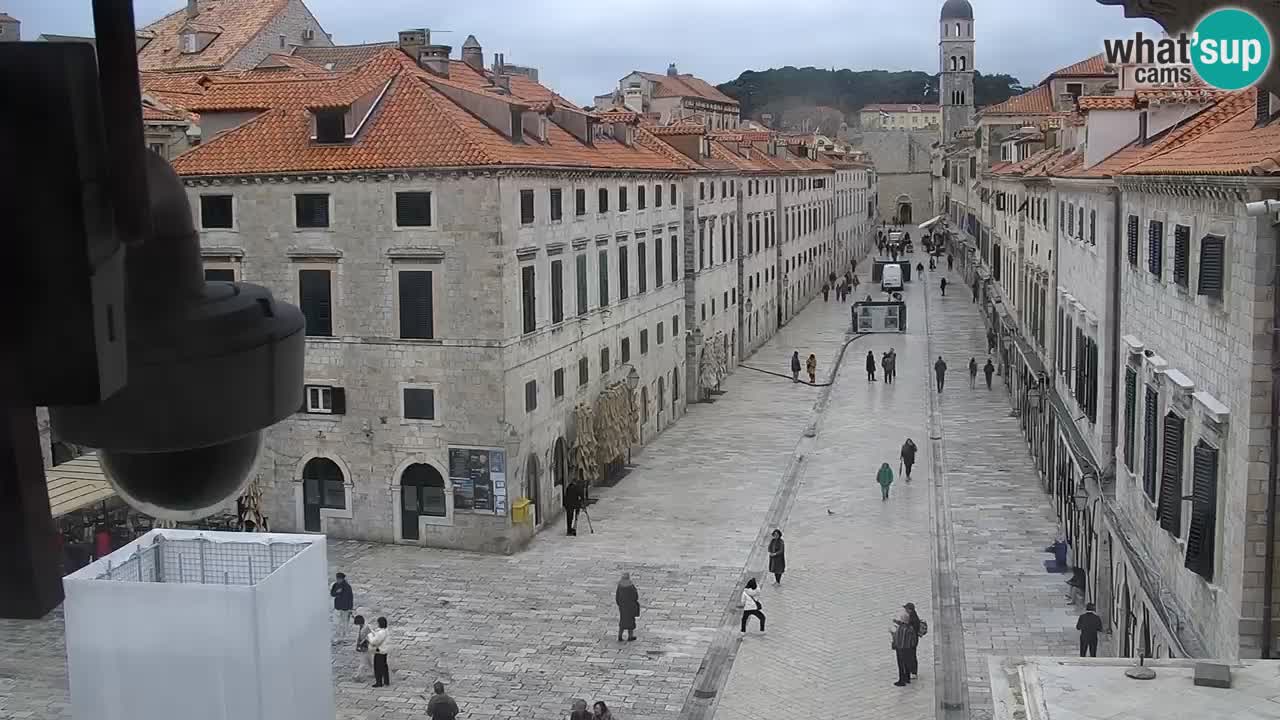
point(202, 626)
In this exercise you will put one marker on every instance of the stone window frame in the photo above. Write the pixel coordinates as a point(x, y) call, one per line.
point(224, 262)
point(235, 211)
point(397, 514)
point(326, 514)
point(436, 398)
point(398, 267)
point(434, 227)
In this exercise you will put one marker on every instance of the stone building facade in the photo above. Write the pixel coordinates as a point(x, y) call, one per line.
point(673, 97)
point(956, 66)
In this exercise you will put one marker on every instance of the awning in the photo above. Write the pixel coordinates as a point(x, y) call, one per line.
point(930, 222)
point(77, 484)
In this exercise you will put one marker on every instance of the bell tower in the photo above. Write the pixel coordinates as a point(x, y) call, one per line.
point(955, 64)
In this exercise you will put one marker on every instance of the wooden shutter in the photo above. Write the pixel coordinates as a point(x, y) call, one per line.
point(317, 302)
point(528, 299)
point(338, 401)
point(1150, 425)
point(581, 266)
point(1170, 506)
point(1092, 404)
point(1130, 414)
point(1202, 535)
point(1212, 265)
point(420, 403)
point(1155, 247)
point(417, 316)
point(557, 291)
point(413, 209)
point(1131, 235)
point(1182, 255)
point(311, 210)
point(642, 267)
point(624, 282)
point(657, 261)
point(602, 272)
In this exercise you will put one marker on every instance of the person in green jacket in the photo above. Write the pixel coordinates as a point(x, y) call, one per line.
point(885, 478)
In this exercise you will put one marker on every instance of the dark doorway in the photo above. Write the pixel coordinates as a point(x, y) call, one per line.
point(532, 480)
point(559, 464)
point(323, 486)
point(421, 493)
point(903, 215)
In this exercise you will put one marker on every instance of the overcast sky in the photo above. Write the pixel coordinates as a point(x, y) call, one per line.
point(582, 48)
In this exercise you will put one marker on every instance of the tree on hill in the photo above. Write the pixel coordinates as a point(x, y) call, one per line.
point(778, 90)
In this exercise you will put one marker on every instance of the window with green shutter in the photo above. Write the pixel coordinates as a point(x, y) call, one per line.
point(580, 263)
point(528, 299)
point(1170, 505)
point(1202, 533)
point(417, 317)
point(1155, 247)
point(1150, 423)
point(1212, 266)
point(602, 273)
point(1182, 255)
point(1130, 414)
point(1131, 236)
point(413, 209)
point(316, 295)
point(557, 291)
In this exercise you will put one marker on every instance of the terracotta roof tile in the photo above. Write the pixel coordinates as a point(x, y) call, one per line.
point(236, 23)
point(343, 57)
point(685, 86)
point(1223, 142)
point(1185, 94)
point(1089, 67)
point(1038, 101)
point(1108, 102)
point(677, 129)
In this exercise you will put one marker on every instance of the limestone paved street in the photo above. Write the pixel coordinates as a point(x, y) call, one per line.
point(517, 637)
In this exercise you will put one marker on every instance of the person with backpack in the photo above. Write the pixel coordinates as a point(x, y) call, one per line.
point(922, 629)
point(908, 456)
point(903, 640)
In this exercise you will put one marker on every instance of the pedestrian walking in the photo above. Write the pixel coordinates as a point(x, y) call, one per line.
point(884, 366)
point(973, 373)
point(628, 600)
point(922, 628)
point(932, 264)
point(975, 292)
point(777, 557)
point(853, 265)
point(826, 292)
point(600, 711)
point(940, 370)
point(811, 367)
point(988, 370)
point(885, 478)
point(903, 640)
point(343, 599)
point(908, 455)
point(441, 706)
point(578, 710)
point(871, 364)
point(751, 604)
point(364, 663)
point(892, 370)
point(1089, 625)
point(572, 501)
point(919, 270)
point(943, 284)
point(991, 341)
point(950, 261)
point(380, 645)
point(795, 366)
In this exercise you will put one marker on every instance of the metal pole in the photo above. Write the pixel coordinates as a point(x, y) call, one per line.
point(28, 558)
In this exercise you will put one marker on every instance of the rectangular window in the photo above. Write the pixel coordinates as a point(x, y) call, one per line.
point(216, 212)
point(702, 245)
point(604, 360)
point(1150, 422)
point(626, 349)
point(1155, 247)
point(584, 371)
point(1170, 508)
point(579, 202)
point(675, 259)
point(557, 210)
point(320, 399)
point(557, 382)
point(602, 275)
point(1131, 237)
point(419, 404)
point(640, 200)
point(702, 191)
point(219, 275)
point(557, 291)
point(1080, 224)
point(526, 207)
point(675, 326)
point(624, 282)
point(1130, 415)
point(1093, 227)
point(642, 267)
point(581, 268)
point(531, 396)
point(528, 299)
point(311, 210)
point(1202, 536)
point(1212, 265)
point(661, 337)
point(602, 201)
point(1182, 255)
point(657, 261)
point(657, 195)
point(1071, 220)
point(622, 199)
point(644, 342)
point(315, 290)
point(413, 209)
point(417, 314)
point(673, 193)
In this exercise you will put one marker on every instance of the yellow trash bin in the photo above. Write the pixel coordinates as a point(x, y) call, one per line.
point(522, 512)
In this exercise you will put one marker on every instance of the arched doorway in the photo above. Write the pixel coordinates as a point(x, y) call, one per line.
point(422, 493)
point(323, 486)
point(902, 215)
point(559, 464)
point(532, 481)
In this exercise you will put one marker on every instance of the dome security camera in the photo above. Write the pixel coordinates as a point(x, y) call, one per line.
point(210, 364)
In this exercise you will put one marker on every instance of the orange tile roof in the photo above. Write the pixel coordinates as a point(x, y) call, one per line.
point(414, 126)
point(1107, 102)
point(1224, 142)
point(1181, 94)
point(280, 61)
point(343, 57)
point(1038, 101)
point(677, 129)
point(685, 86)
point(236, 23)
point(1089, 67)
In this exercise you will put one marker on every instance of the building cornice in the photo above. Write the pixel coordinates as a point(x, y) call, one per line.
point(449, 172)
point(1222, 188)
point(1098, 185)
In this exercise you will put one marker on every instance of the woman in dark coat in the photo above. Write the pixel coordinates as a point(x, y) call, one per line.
point(871, 366)
point(628, 599)
point(777, 557)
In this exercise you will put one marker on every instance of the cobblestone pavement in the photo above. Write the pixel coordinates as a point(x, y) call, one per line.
point(852, 559)
point(1001, 518)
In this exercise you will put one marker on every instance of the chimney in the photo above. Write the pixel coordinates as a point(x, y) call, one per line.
point(192, 9)
point(435, 59)
point(671, 70)
point(498, 59)
point(412, 41)
point(473, 54)
point(503, 83)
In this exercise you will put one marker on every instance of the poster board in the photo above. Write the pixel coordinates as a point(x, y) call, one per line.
point(879, 317)
point(479, 479)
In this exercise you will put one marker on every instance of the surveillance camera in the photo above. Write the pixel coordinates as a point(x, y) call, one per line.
point(1262, 207)
point(209, 366)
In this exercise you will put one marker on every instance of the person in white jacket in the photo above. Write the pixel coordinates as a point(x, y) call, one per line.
point(379, 645)
point(362, 648)
point(751, 604)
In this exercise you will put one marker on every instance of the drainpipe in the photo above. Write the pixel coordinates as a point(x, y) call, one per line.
point(1268, 573)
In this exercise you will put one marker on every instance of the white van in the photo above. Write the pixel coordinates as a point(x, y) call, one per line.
point(891, 278)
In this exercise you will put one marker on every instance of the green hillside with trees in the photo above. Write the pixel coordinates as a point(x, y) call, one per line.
point(778, 90)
